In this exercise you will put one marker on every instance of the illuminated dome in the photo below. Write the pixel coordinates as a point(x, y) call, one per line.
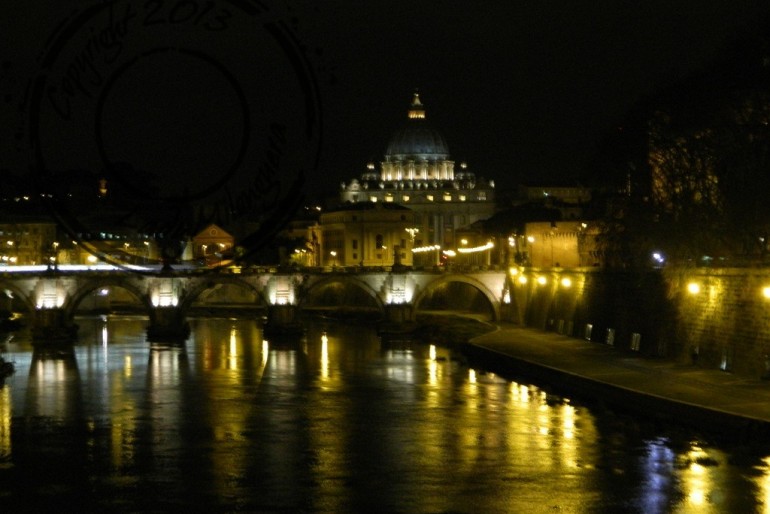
point(417, 140)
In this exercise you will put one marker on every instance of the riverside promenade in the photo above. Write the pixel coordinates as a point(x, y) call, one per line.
point(706, 399)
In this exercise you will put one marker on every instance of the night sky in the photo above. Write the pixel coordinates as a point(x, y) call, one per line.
point(522, 91)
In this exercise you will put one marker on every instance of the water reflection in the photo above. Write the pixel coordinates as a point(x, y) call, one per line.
point(338, 421)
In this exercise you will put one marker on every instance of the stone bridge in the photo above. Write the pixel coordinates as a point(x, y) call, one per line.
point(53, 297)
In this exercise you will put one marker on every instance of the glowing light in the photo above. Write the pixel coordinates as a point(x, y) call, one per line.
point(541, 280)
point(513, 271)
point(522, 279)
point(530, 239)
point(766, 292)
point(324, 356)
point(693, 288)
point(507, 297)
point(566, 282)
point(422, 249)
point(432, 352)
point(487, 246)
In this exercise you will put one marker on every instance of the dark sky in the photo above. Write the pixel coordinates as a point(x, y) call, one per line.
point(522, 91)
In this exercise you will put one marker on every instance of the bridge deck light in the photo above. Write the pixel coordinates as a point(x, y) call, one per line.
point(693, 288)
point(541, 280)
point(566, 282)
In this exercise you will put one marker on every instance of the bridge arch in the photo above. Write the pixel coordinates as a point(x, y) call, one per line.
point(27, 301)
point(195, 292)
point(493, 302)
point(314, 290)
point(138, 292)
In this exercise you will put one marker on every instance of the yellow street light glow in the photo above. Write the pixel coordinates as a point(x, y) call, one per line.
point(693, 288)
point(530, 239)
point(522, 279)
point(477, 248)
point(566, 282)
point(421, 249)
point(766, 292)
point(513, 271)
point(541, 280)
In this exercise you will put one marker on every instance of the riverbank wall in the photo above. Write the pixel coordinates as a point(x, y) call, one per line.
point(710, 317)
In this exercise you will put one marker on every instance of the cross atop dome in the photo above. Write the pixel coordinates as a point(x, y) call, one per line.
point(417, 111)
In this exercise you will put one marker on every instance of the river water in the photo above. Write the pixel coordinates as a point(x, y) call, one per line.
point(337, 423)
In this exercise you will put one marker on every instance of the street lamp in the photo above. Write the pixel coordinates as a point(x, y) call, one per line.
point(334, 258)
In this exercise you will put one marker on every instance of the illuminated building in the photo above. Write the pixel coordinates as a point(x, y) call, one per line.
point(417, 172)
point(26, 241)
point(367, 234)
point(213, 245)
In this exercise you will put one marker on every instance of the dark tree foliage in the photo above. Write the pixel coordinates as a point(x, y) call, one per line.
point(691, 174)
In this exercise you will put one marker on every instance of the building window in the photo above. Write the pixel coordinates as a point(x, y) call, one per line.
point(462, 198)
point(482, 195)
point(355, 256)
point(378, 241)
point(389, 197)
point(373, 199)
point(430, 198)
point(447, 197)
point(354, 244)
point(405, 198)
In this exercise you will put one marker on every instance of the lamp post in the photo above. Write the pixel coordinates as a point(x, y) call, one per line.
point(334, 258)
point(55, 258)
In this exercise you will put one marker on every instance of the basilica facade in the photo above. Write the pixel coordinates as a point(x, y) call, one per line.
point(418, 173)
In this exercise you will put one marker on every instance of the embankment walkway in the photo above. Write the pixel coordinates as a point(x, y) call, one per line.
point(712, 400)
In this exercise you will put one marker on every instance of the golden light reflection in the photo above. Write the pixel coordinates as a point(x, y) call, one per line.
point(433, 368)
point(568, 421)
point(696, 481)
point(324, 357)
point(127, 366)
point(764, 481)
point(5, 423)
point(232, 357)
point(265, 352)
point(432, 372)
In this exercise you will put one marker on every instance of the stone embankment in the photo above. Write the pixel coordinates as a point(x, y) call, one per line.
point(709, 400)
